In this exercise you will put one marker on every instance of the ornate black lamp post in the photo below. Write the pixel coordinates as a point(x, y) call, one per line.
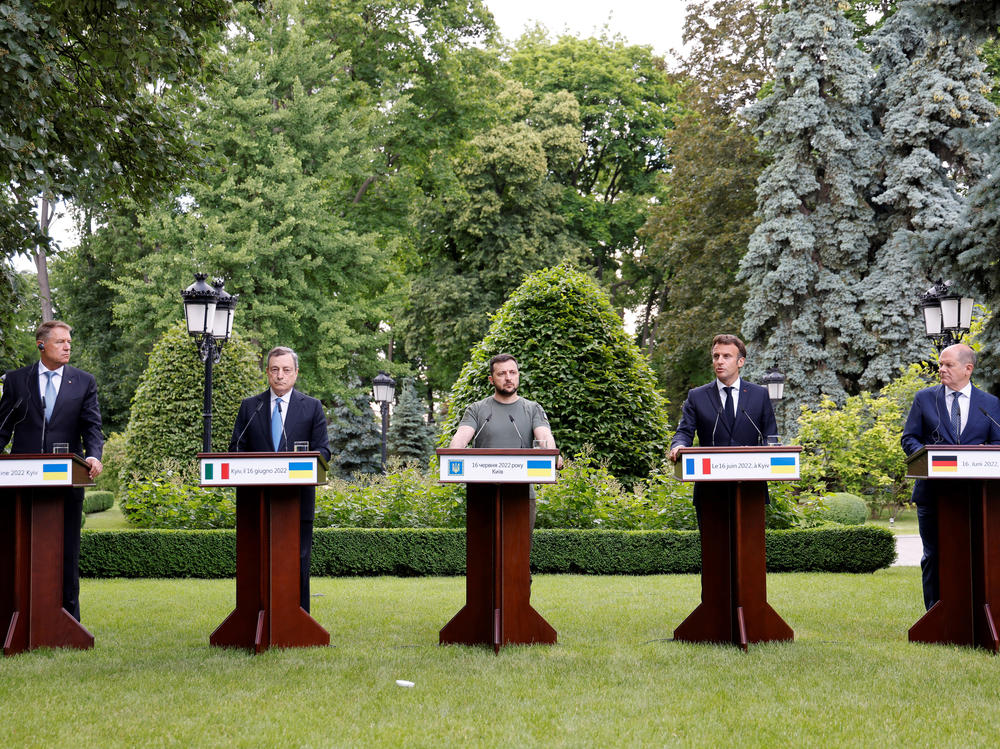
point(209, 313)
point(775, 382)
point(383, 389)
point(947, 315)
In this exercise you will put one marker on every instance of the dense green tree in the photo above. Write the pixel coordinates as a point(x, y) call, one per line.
point(929, 96)
point(268, 217)
point(165, 427)
point(495, 219)
point(410, 437)
point(809, 252)
point(355, 437)
point(627, 102)
point(578, 363)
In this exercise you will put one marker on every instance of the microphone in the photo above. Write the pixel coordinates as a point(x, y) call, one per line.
point(476, 435)
point(760, 434)
point(519, 435)
point(995, 422)
point(249, 422)
point(283, 434)
point(936, 434)
point(45, 422)
point(718, 413)
point(5, 418)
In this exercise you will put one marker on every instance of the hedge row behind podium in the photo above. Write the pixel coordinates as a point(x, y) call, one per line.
point(264, 424)
point(70, 415)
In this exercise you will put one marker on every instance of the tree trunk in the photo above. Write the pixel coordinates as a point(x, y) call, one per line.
point(41, 261)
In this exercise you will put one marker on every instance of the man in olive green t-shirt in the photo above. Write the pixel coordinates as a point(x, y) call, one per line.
point(505, 419)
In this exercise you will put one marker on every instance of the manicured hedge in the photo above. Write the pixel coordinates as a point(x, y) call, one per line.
point(421, 551)
point(97, 501)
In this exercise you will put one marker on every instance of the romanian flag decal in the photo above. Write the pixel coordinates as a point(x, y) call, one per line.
point(944, 464)
point(783, 464)
point(55, 472)
point(540, 467)
point(300, 470)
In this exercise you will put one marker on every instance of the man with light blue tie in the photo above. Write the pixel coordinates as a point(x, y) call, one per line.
point(47, 403)
point(952, 413)
point(290, 417)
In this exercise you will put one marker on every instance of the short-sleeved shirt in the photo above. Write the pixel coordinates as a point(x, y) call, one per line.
point(509, 425)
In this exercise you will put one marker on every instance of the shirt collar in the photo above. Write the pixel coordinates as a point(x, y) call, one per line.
point(735, 386)
point(966, 391)
point(42, 369)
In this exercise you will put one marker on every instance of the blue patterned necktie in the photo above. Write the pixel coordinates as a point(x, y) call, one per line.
point(956, 417)
point(50, 395)
point(276, 424)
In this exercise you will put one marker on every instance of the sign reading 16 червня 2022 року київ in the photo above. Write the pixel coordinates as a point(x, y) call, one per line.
point(500, 469)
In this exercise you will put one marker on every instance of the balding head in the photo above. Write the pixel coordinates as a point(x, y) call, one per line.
point(955, 365)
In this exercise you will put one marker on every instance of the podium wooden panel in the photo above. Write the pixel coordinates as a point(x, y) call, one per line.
point(734, 607)
point(967, 485)
point(267, 612)
point(497, 609)
point(32, 506)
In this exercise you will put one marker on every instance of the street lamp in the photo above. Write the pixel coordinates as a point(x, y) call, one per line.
point(209, 312)
point(947, 315)
point(384, 388)
point(775, 382)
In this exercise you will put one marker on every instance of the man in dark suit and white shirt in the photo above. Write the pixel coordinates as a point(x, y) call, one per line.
point(288, 417)
point(51, 402)
point(952, 413)
point(726, 411)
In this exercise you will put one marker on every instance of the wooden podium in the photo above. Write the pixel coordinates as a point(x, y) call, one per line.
point(732, 496)
point(497, 607)
point(267, 485)
point(33, 490)
point(967, 485)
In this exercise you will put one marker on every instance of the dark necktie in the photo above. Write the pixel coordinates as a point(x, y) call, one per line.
point(728, 407)
point(956, 417)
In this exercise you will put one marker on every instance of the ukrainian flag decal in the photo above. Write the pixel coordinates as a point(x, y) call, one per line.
point(55, 472)
point(783, 465)
point(540, 467)
point(300, 470)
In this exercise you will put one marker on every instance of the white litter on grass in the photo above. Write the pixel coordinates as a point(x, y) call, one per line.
point(404, 683)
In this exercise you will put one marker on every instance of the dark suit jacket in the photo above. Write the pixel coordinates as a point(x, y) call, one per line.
point(702, 415)
point(304, 421)
point(929, 423)
point(76, 417)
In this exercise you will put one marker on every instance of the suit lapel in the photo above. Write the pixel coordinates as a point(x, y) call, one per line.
point(33, 387)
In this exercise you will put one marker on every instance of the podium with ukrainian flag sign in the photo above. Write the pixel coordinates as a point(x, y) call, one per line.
point(731, 496)
point(967, 486)
point(33, 491)
point(268, 485)
point(497, 607)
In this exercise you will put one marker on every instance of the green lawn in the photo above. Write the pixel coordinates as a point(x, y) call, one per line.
point(109, 520)
point(904, 524)
point(614, 679)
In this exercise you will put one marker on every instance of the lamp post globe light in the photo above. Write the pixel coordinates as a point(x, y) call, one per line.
point(774, 380)
point(383, 390)
point(209, 312)
point(947, 314)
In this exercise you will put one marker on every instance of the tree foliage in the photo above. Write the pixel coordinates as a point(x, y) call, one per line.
point(355, 437)
point(82, 92)
point(807, 256)
point(166, 420)
point(577, 362)
point(411, 439)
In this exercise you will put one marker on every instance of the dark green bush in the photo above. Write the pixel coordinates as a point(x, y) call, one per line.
point(406, 497)
point(413, 551)
point(173, 499)
point(97, 501)
point(166, 418)
point(846, 509)
point(577, 361)
point(112, 458)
